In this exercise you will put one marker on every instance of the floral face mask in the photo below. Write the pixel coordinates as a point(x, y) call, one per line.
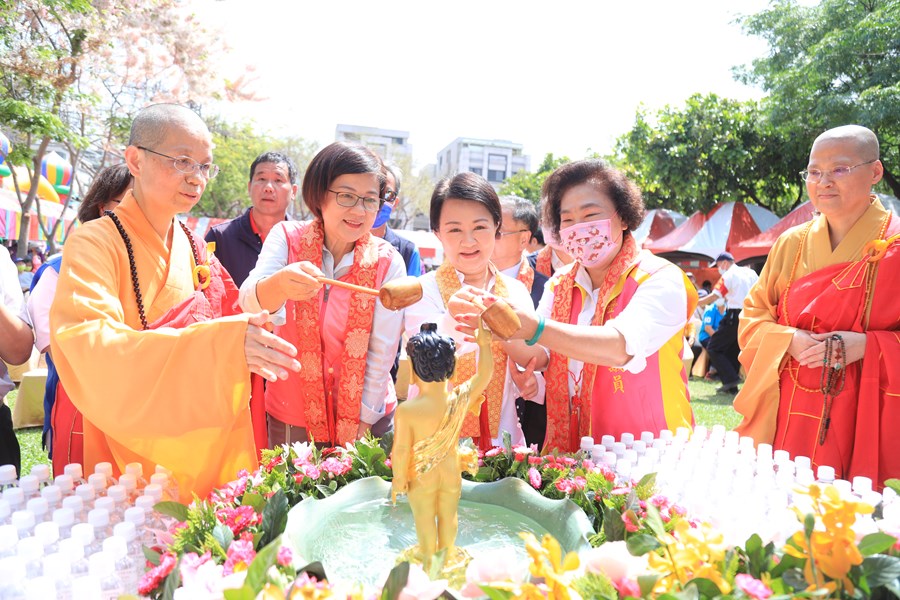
point(590, 243)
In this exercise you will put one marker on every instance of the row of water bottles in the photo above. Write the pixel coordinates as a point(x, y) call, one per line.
point(720, 477)
point(71, 537)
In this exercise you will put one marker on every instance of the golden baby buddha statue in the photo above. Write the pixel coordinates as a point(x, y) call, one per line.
point(426, 457)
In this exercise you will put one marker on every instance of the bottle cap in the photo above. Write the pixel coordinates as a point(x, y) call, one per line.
point(99, 517)
point(862, 484)
point(74, 471)
point(160, 479)
point(125, 530)
point(162, 469)
point(41, 471)
point(627, 439)
point(23, 520)
point(47, 532)
point(74, 503)
point(116, 547)
point(86, 492)
point(825, 474)
point(597, 452)
point(98, 481)
point(7, 474)
point(154, 490)
point(587, 442)
point(107, 504)
point(136, 515)
point(101, 565)
point(116, 493)
point(29, 484)
point(129, 482)
point(802, 462)
point(647, 437)
point(666, 435)
point(30, 549)
point(608, 440)
point(84, 533)
point(146, 503)
point(619, 449)
point(104, 468)
point(52, 494)
point(65, 483)
point(136, 469)
point(38, 506)
point(64, 517)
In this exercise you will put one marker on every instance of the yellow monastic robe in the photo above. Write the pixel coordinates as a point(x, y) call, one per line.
point(764, 342)
point(173, 397)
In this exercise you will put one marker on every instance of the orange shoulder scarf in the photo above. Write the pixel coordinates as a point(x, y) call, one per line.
point(525, 274)
point(477, 426)
point(324, 420)
point(544, 261)
point(568, 418)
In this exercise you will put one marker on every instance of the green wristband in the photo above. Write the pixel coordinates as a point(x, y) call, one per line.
point(537, 332)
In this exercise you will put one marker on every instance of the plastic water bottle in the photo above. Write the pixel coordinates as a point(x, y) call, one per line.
point(66, 484)
point(15, 497)
point(75, 471)
point(99, 482)
point(137, 516)
point(9, 537)
point(128, 482)
point(587, 443)
point(76, 505)
point(38, 507)
point(8, 477)
point(99, 520)
point(73, 550)
point(825, 474)
point(152, 519)
point(106, 470)
point(53, 495)
point(109, 504)
point(23, 521)
point(58, 568)
point(12, 578)
point(84, 533)
point(5, 512)
point(31, 551)
point(156, 491)
point(40, 588)
point(136, 469)
point(172, 490)
point(168, 488)
point(30, 487)
point(627, 439)
point(128, 532)
point(126, 568)
point(64, 518)
point(42, 472)
point(86, 492)
point(103, 568)
point(87, 586)
point(48, 535)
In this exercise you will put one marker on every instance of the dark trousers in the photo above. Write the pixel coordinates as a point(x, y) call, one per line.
point(723, 349)
point(533, 420)
point(9, 443)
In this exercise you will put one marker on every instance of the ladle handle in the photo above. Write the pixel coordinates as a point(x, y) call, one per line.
point(349, 286)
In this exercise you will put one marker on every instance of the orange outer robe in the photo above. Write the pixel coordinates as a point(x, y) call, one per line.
point(860, 440)
point(173, 397)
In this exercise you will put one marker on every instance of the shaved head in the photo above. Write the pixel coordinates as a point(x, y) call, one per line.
point(152, 124)
point(862, 139)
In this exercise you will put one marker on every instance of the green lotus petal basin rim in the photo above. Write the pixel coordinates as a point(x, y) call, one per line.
point(358, 520)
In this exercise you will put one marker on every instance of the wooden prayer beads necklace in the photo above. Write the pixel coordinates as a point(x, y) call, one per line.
point(134, 277)
point(833, 377)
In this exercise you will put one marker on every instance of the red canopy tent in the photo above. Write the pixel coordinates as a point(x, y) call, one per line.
point(758, 246)
point(657, 223)
point(706, 236)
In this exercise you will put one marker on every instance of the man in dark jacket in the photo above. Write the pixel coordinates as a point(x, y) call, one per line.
point(272, 189)
point(406, 248)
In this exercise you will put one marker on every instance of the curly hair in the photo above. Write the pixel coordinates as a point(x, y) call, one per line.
point(432, 355)
point(606, 179)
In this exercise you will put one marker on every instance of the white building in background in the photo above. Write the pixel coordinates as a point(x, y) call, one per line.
point(495, 160)
point(389, 144)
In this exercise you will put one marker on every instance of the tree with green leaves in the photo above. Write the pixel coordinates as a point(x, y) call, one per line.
point(710, 150)
point(830, 64)
point(527, 185)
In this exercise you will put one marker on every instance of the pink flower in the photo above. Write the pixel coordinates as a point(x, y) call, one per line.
point(566, 486)
point(609, 475)
point(579, 482)
point(587, 465)
point(631, 521)
point(535, 460)
point(278, 460)
point(493, 452)
point(239, 518)
point(659, 501)
point(285, 556)
point(627, 587)
point(534, 478)
point(388, 463)
point(190, 562)
point(492, 568)
point(335, 467)
point(239, 556)
point(521, 453)
point(152, 578)
point(311, 471)
point(420, 587)
point(752, 587)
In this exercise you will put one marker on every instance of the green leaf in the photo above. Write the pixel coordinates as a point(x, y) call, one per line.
point(654, 521)
point(265, 558)
point(613, 526)
point(495, 594)
point(324, 490)
point(641, 544)
point(794, 579)
point(395, 582)
point(881, 569)
point(647, 583)
point(151, 555)
point(647, 481)
point(894, 484)
point(176, 510)
point(172, 583)
point(274, 517)
point(876, 543)
point(255, 500)
point(241, 593)
point(706, 587)
point(809, 523)
point(223, 535)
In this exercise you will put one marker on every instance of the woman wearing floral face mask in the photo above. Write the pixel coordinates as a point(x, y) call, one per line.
point(612, 322)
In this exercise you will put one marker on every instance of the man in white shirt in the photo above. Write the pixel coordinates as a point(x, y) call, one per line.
point(723, 349)
point(15, 348)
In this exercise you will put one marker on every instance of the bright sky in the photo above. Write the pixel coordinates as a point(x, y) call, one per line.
point(563, 76)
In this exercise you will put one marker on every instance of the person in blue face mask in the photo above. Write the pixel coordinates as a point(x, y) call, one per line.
point(406, 248)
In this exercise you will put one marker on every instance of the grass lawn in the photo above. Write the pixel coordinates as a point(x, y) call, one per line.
point(709, 409)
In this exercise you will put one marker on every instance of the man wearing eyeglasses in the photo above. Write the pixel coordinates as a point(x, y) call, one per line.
point(272, 189)
point(147, 340)
point(819, 332)
point(380, 228)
